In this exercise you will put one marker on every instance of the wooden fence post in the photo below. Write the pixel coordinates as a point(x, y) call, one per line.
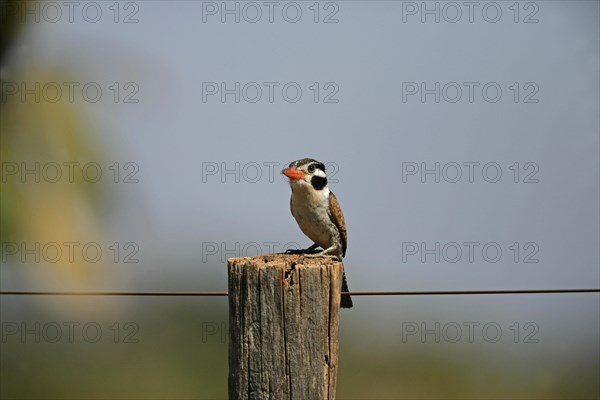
point(283, 323)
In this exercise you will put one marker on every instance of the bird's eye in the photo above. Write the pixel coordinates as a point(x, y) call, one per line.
point(311, 168)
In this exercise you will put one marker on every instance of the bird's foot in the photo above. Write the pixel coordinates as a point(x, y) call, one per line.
point(302, 251)
point(311, 250)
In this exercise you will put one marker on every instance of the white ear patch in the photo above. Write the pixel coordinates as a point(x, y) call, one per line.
point(320, 173)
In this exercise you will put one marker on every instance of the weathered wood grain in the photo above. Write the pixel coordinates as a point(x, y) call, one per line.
point(284, 324)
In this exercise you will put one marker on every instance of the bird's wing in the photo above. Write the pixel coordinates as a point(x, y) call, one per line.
point(338, 219)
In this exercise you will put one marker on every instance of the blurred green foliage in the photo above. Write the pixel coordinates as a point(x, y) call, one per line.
point(33, 133)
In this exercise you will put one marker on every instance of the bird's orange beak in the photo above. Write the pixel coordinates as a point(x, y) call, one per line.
point(293, 173)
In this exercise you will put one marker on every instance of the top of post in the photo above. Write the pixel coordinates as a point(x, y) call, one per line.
point(281, 258)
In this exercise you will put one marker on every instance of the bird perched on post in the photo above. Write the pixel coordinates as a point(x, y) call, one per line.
point(318, 213)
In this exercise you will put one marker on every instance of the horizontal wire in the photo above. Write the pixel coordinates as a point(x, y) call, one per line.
point(30, 293)
point(399, 293)
point(463, 292)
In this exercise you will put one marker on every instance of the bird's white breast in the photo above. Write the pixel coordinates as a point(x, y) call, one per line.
point(311, 210)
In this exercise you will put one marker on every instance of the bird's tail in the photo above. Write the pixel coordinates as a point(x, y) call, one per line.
point(346, 301)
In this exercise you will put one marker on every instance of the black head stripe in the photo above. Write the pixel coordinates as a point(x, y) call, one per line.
point(320, 166)
point(318, 182)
